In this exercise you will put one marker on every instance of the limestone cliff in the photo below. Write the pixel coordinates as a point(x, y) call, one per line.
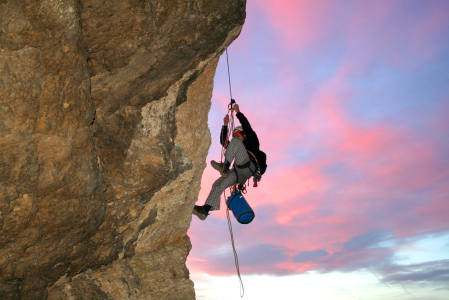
point(103, 139)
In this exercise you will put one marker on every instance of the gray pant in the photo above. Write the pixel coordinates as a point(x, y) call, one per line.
point(235, 150)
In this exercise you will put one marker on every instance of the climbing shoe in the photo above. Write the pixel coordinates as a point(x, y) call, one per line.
point(220, 167)
point(200, 212)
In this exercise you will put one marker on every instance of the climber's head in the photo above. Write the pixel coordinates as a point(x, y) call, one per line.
point(238, 132)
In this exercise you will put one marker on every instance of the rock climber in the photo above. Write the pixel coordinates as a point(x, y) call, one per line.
point(244, 140)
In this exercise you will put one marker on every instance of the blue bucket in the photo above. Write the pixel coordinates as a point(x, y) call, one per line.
point(243, 213)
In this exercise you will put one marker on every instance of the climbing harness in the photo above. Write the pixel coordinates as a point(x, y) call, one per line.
point(257, 176)
point(242, 188)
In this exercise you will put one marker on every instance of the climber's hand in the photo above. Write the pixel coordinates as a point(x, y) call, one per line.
point(226, 120)
point(236, 108)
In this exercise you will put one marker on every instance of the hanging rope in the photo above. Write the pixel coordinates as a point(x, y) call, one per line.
point(231, 127)
point(236, 259)
point(230, 113)
point(229, 74)
point(228, 137)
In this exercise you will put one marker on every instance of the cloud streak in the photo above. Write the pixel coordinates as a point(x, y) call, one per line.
point(353, 117)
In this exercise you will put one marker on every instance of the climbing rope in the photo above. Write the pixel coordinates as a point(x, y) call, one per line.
point(228, 135)
point(231, 127)
point(230, 112)
point(229, 75)
point(223, 159)
point(236, 259)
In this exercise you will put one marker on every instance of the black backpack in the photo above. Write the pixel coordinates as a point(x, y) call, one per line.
point(262, 160)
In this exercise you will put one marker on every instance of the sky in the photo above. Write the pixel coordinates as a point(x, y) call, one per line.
point(350, 101)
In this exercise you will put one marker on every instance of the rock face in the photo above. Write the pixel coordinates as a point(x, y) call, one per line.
point(103, 139)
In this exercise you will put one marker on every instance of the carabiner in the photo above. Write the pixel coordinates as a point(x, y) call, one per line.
point(230, 104)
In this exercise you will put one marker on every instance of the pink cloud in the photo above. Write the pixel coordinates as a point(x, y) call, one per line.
point(295, 182)
point(299, 22)
point(391, 33)
point(223, 99)
point(358, 178)
point(303, 24)
point(376, 153)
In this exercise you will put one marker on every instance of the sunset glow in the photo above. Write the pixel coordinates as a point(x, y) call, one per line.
point(350, 100)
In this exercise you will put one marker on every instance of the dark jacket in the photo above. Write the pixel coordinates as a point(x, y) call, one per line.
point(251, 142)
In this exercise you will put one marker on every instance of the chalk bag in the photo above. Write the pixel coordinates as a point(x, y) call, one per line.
point(243, 213)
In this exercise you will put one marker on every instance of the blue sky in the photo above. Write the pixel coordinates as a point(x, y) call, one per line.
point(350, 100)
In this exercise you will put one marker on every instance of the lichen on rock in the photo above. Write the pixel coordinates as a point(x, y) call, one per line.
point(104, 135)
